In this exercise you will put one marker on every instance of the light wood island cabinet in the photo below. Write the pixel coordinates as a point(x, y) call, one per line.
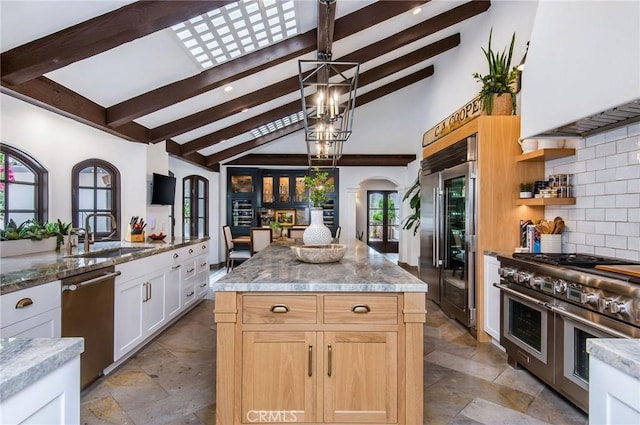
point(332, 351)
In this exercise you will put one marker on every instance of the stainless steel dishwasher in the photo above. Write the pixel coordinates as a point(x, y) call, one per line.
point(87, 311)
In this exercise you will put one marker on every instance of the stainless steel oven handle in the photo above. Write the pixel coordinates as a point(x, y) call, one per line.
point(508, 290)
point(89, 282)
point(597, 326)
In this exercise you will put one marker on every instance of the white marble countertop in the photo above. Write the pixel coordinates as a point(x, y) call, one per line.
point(25, 361)
point(620, 353)
point(275, 269)
point(25, 271)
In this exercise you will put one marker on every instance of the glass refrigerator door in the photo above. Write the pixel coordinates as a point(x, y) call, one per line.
point(455, 255)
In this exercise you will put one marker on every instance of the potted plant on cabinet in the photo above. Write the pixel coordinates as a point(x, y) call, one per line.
point(526, 190)
point(29, 237)
point(497, 93)
point(319, 187)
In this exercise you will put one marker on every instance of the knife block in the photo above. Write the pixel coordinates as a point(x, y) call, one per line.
point(133, 237)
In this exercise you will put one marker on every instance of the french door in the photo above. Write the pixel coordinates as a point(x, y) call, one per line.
point(383, 221)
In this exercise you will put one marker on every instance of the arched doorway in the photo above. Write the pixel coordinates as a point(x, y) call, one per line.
point(383, 220)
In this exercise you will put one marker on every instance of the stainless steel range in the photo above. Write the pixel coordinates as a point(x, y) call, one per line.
point(552, 303)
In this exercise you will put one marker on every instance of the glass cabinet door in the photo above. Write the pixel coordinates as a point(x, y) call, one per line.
point(455, 256)
point(242, 184)
point(283, 189)
point(301, 191)
point(267, 190)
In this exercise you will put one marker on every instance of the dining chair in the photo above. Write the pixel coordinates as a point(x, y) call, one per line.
point(260, 238)
point(233, 254)
point(296, 233)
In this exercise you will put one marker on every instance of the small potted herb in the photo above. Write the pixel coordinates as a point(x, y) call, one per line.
point(526, 190)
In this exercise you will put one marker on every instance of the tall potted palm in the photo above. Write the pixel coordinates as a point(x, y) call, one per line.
point(497, 93)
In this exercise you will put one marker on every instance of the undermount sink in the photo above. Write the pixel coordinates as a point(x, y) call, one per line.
point(109, 253)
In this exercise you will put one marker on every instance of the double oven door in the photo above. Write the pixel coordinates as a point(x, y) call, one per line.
point(548, 337)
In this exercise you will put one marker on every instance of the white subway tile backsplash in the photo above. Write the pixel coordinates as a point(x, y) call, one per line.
point(595, 164)
point(616, 134)
point(605, 219)
point(616, 160)
point(605, 228)
point(628, 145)
point(605, 175)
point(615, 187)
point(615, 214)
point(629, 172)
point(605, 201)
point(595, 240)
point(595, 214)
point(628, 229)
point(606, 149)
point(595, 189)
point(617, 242)
point(630, 200)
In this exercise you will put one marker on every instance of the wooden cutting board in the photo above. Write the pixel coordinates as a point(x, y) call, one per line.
point(631, 270)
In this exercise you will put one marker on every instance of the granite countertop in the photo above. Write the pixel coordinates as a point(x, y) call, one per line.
point(362, 269)
point(25, 271)
point(620, 353)
point(25, 361)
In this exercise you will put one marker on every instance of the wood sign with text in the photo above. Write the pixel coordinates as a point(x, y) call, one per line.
point(461, 116)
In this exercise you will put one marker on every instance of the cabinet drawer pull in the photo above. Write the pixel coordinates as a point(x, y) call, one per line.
point(176, 267)
point(310, 372)
point(279, 308)
point(190, 294)
point(25, 302)
point(203, 285)
point(203, 264)
point(204, 246)
point(329, 356)
point(176, 255)
point(190, 270)
point(361, 309)
point(190, 251)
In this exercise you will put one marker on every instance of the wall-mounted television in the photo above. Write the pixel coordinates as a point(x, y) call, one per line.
point(163, 190)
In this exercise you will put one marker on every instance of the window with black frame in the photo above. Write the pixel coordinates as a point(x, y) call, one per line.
point(195, 207)
point(23, 187)
point(96, 190)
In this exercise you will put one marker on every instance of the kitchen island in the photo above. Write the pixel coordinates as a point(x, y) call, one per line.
point(319, 343)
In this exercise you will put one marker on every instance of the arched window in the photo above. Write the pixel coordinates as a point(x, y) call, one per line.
point(96, 190)
point(23, 187)
point(195, 207)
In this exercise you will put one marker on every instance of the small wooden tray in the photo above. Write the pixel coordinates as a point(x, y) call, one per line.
point(630, 270)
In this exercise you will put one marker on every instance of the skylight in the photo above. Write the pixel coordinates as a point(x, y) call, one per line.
point(263, 130)
point(237, 29)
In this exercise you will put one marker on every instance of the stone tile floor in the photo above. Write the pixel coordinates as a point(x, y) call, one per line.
point(172, 381)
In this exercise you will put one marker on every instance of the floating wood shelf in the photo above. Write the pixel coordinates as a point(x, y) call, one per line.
point(546, 155)
point(546, 201)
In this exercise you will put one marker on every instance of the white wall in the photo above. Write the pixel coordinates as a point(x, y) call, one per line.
point(606, 182)
point(59, 143)
point(584, 58)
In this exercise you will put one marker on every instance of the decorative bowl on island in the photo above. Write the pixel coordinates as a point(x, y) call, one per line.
point(317, 254)
point(157, 237)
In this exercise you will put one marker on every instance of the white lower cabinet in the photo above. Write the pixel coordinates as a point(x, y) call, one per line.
point(202, 276)
point(153, 311)
point(491, 297)
point(32, 313)
point(173, 302)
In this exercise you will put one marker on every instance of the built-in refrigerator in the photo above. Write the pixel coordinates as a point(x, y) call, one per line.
point(448, 229)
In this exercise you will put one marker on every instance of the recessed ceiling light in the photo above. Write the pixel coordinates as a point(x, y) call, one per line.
point(245, 109)
point(417, 10)
point(228, 89)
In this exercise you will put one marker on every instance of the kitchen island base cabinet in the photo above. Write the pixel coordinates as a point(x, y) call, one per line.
point(304, 358)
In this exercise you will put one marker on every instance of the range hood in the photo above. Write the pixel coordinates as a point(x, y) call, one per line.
point(619, 116)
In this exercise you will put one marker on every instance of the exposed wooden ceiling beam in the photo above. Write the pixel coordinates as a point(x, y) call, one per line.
point(365, 78)
point(365, 54)
point(197, 159)
point(344, 161)
point(210, 79)
point(326, 26)
point(54, 97)
point(97, 35)
point(361, 100)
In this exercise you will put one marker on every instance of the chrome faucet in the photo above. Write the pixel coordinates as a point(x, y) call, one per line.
point(89, 235)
